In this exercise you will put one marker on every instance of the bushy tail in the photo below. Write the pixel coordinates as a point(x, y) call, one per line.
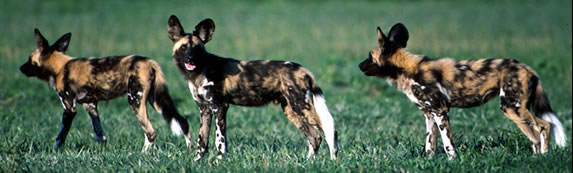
point(542, 108)
point(326, 120)
point(162, 102)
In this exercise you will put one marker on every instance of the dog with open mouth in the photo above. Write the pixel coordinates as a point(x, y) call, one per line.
point(216, 82)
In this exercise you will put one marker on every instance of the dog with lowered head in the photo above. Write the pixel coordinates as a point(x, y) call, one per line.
point(435, 85)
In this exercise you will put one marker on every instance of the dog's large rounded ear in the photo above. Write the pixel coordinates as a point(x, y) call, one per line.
point(175, 29)
point(205, 29)
point(41, 42)
point(62, 44)
point(381, 37)
point(399, 34)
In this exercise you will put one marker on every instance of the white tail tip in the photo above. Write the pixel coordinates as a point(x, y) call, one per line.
point(327, 123)
point(176, 128)
point(557, 130)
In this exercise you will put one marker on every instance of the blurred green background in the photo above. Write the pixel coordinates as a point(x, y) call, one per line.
point(380, 130)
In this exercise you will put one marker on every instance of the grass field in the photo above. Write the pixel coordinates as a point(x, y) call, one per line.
point(380, 130)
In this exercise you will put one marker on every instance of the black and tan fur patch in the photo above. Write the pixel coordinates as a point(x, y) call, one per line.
point(435, 85)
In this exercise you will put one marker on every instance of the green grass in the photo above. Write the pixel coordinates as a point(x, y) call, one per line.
point(380, 130)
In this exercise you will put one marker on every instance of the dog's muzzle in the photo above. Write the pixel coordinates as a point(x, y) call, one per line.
point(189, 64)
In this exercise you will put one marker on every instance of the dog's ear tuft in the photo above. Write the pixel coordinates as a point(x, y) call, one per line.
point(175, 29)
point(399, 34)
point(41, 42)
point(62, 44)
point(205, 29)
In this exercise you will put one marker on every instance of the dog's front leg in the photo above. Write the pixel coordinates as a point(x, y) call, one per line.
point(443, 123)
point(434, 103)
point(431, 134)
point(203, 138)
point(91, 108)
point(220, 112)
point(67, 118)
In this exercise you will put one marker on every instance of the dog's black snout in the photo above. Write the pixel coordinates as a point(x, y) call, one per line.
point(362, 66)
point(188, 60)
point(25, 69)
point(22, 68)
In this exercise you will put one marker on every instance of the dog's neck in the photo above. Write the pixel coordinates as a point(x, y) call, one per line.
point(400, 63)
point(57, 62)
point(407, 61)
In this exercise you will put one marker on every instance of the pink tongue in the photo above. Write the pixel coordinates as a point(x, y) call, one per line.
point(189, 66)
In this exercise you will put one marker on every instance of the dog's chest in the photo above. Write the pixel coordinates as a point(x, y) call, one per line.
point(405, 85)
point(202, 90)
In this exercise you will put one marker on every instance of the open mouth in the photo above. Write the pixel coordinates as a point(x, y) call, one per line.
point(189, 67)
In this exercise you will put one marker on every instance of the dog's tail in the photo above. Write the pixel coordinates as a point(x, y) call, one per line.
point(542, 108)
point(326, 120)
point(162, 102)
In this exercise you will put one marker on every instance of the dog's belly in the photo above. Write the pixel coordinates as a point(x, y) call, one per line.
point(89, 95)
point(251, 97)
point(471, 100)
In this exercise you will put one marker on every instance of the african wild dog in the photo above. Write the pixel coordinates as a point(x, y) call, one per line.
point(87, 81)
point(435, 85)
point(215, 82)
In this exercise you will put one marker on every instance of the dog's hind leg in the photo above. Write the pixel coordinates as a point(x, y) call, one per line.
point(526, 122)
point(91, 108)
point(137, 95)
point(312, 137)
point(513, 105)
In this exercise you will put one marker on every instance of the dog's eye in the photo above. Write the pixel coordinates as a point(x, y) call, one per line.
point(183, 47)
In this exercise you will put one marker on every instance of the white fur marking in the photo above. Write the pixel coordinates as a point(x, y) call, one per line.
point(542, 140)
point(445, 139)
point(463, 67)
point(557, 130)
point(82, 95)
point(429, 129)
point(52, 82)
point(288, 63)
point(310, 150)
point(443, 90)
point(501, 93)
point(307, 96)
point(176, 127)
point(192, 88)
point(408, 92)
point(188, 140)
point(218, 140)
point(200, 93)
point(63, 104)
point(147, 145)
point(428, 103)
